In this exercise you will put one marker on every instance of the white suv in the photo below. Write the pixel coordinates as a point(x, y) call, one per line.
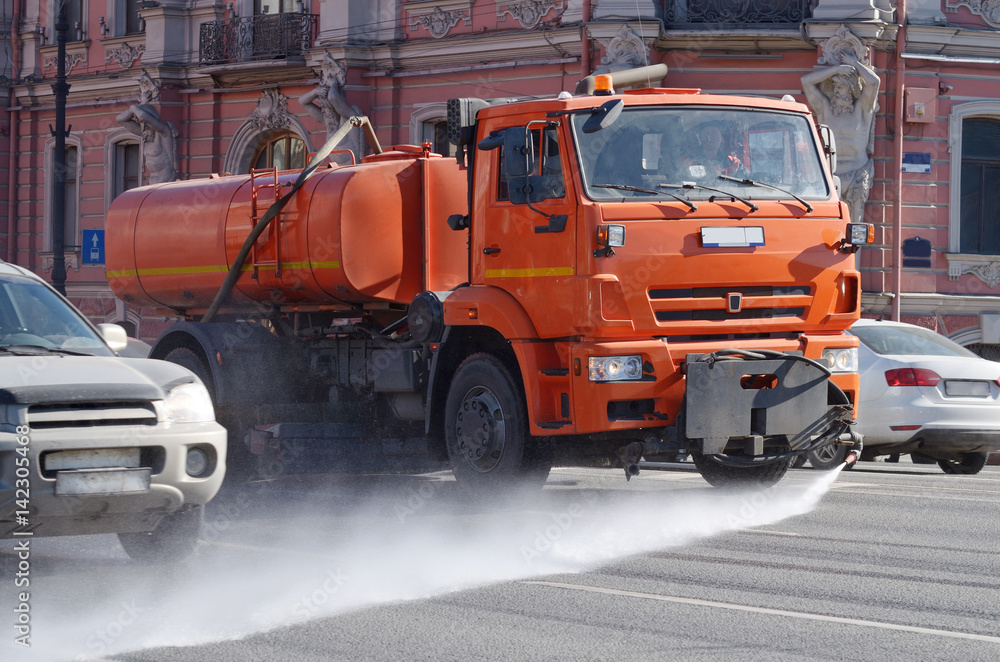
point(91, 442)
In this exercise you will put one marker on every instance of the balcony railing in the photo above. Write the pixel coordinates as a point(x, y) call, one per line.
point(253, 38)
point(736, 13)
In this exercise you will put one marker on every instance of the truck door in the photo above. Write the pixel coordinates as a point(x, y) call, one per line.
point(529, 234)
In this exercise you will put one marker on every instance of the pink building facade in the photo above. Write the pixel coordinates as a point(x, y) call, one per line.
point(181, 89)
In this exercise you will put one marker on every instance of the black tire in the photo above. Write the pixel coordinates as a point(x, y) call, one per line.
point(968, 464)
point(724, 475)
point(828, 457)
point(498, 453)
point(798, 462)
point(173, 539)
point(920, 458)
point(240, 464)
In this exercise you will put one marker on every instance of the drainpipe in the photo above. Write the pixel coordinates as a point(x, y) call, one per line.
point(897, 162)
point(584, 42)
point(13, 115)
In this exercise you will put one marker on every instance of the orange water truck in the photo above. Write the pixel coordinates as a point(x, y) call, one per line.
point(584, 279)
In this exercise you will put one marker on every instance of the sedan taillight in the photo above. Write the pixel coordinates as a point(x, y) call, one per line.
point(911, 377)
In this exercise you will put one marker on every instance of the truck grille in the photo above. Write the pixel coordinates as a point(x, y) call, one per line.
point(76, 415)
point(714, 303)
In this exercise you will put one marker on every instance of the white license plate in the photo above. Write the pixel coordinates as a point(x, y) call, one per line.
point(102, 481)
point(976, 389)
point(92, 459)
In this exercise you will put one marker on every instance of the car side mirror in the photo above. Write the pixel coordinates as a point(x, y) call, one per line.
point(114, 335)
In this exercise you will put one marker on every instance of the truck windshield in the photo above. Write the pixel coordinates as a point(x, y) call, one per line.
point(34, 319)
point(659, 150)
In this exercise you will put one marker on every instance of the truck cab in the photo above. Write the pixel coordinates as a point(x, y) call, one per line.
point(680, 269)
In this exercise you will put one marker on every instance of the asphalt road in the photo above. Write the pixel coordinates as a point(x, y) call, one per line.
point(891, 562)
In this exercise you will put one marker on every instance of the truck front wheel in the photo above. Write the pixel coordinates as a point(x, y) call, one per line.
point(486, 429)
point(723, 475)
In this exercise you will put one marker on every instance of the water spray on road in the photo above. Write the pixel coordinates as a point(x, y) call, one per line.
point(416, 544)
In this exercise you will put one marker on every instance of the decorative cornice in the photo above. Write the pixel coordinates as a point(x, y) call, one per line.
point(440, 16)
point(73, 58)
point(124, 54)
point(271, 111)
point(70, 257)
point(529, 13)
point(988, 9)
point(984, 267)
point(626, 50)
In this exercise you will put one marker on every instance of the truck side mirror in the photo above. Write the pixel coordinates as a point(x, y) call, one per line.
point(603, 116)
point(829, 146)
point(518, 152)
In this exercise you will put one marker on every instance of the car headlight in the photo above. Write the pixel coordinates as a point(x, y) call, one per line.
point(189, 403)
point(615, 368)
point(841, 360)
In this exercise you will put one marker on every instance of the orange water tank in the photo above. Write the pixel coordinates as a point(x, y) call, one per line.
point(372, 232)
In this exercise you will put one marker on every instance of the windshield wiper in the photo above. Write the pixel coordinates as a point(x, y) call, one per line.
point(750, 182)
point(35, 350)
point(698, 187)
point(637, 189)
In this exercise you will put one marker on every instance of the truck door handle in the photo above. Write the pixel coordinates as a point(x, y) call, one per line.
point(490, 251)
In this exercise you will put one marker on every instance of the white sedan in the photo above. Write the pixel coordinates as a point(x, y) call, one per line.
point(923, 394)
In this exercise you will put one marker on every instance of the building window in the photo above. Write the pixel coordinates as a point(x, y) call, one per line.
point(125, 167)
point(262, 7)
point(133, 25)
point(980, 187)
point(436, 133)
point(74, 19)
point(284, 151)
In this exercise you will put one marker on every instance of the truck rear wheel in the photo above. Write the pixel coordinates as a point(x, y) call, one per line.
point(723, 475)
point(486, 430)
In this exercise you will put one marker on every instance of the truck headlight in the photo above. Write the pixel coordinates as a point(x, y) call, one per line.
point(615, 368)
point(841, 360)
point(189, 403)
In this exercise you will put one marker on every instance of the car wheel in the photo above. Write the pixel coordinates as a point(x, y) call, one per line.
point(718, 474)
point(486, 430)
point(968, 464)
point(173, 539)
point(828, 457)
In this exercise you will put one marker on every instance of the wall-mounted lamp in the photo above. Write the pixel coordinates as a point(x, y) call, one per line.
point(104, 26)
point(944, 88)
point(41, 31)
point(80, 33)
point(232, 10)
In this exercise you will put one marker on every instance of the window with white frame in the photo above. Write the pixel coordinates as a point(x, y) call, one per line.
point(124, 167)
point(979, 215)
point(75, 19)
point(429, 124)
point(130, 20)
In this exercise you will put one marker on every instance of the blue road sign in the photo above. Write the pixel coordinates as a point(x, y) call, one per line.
point(93, 247)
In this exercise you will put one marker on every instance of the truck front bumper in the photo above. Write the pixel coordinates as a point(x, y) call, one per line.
point(722, 401)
